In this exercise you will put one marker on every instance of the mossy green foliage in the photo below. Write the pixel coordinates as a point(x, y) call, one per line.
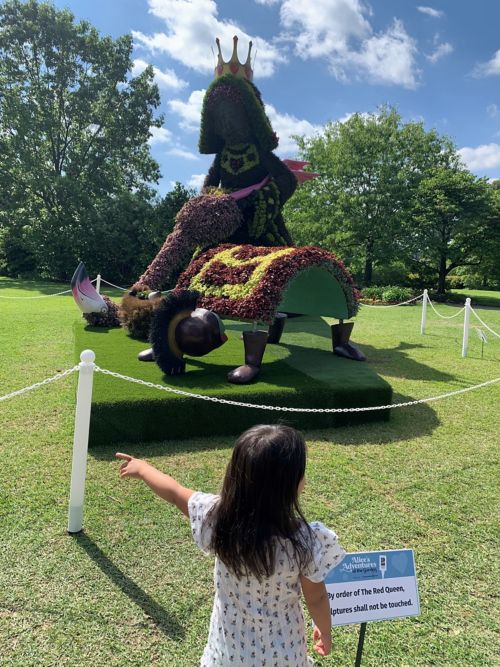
point(300, 372)
point(134, 591)
point(248, 98)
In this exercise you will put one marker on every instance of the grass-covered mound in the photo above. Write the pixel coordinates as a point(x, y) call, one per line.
point(300, 372)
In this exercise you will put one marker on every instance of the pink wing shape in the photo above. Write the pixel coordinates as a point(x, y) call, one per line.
point(297, 168)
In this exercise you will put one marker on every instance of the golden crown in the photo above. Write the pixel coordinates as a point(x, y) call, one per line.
point(233, 66)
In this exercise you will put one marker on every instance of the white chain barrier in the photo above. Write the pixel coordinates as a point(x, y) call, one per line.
point(392, 305)
point(99, 279)
point(86, 369)
point(484, 323)
point(281, 408)
point(37, 385)
point(444, 317)
point(123, 289)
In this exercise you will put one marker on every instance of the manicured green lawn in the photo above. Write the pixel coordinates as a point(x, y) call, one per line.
point(133, 589)
point(478, 297)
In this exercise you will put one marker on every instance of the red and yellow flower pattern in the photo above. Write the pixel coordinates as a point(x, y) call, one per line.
point(248, 282)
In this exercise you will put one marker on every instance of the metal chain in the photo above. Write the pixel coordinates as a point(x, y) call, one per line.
point(54, 378)
point(444, 317)
point(240, 404)
point(393, 305)
point(484, 323)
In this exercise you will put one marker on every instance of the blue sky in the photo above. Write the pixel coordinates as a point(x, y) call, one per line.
point(318, 60)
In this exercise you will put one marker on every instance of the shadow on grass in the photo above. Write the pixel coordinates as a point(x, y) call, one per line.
point(405, 424)
point(97, 330)
point(162, 619)
point(395, 362)
point(34, 285)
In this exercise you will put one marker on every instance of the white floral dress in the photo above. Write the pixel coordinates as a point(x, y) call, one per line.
point(259, 624)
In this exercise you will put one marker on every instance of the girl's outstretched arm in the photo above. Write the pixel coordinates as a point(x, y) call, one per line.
point(163, 485)
point(316, 597)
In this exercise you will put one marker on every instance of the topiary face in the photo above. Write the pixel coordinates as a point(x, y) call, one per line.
point(227, 115)
point(233, 113)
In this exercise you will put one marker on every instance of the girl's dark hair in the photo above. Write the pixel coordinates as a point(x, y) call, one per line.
point(259, 505)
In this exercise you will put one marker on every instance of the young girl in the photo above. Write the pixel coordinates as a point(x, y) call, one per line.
point(266, 553)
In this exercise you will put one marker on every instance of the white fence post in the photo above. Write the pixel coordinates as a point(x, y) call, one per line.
point(98, 283)
point(465, 339)
point(80, 441)
point(424, 313)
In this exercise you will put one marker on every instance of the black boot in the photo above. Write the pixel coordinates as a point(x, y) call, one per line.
point(255, 344)
point(276, 328)
point(340, 339)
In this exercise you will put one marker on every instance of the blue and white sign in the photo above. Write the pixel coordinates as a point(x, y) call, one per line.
point(373, 586)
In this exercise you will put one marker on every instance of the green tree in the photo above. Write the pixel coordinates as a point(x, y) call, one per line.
point(369, 167)
point(456, 221)
point(74, 129)
point(165, 211)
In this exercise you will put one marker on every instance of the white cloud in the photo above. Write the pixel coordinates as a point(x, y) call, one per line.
point(486, 156)
point(267, 2)
point(339, 30)
point(440, 51)
point(181, 152)
point(192, 26)
point(165, 79)
point(492, 110)
point(286, 125)
point(196, 181)
point(430, 11)
point(490, 68)
point(190, 111)
point(387, 58)
point(324, 26)
point(159, 135)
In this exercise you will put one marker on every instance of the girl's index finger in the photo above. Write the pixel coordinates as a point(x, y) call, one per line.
point(125, 457)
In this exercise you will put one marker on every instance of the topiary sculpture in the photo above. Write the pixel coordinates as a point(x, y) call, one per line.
point(246, 186)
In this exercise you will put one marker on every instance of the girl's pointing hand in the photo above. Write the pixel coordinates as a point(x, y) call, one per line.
point(132, 467)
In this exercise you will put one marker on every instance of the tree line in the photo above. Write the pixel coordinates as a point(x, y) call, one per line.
point(76, 174)
point(77, 179)
point(397, 204)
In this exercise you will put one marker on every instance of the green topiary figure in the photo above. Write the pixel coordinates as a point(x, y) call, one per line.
point(235, 127)
point(246, 186)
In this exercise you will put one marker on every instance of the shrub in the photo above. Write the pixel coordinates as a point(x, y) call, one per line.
point(389, 293)
point(455, 282)
point(397, 294)
point(374, 293)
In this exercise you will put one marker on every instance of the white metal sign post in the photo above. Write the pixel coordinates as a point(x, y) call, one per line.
point(372, 586)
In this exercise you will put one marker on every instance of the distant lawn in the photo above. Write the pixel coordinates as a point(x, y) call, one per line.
point(134, 591)
point(478, 297)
